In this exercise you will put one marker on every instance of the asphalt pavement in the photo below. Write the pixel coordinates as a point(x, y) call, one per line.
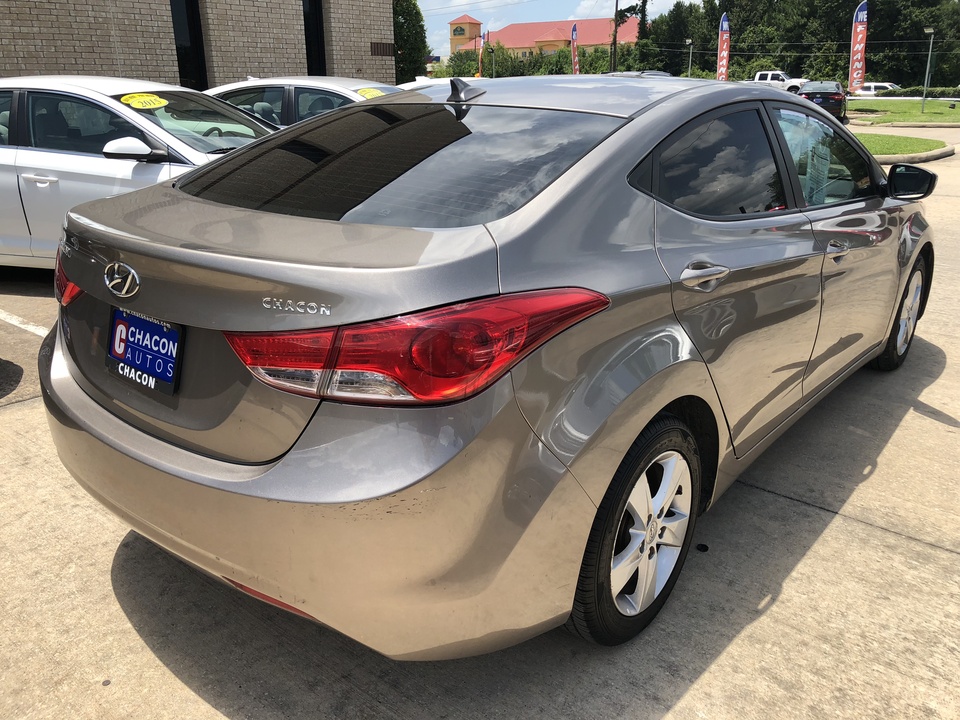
point(828, 583)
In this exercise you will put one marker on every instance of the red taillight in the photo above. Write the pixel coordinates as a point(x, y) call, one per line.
point(804, 96)
point(65, 290)
point(436, 356)
point(836, 97)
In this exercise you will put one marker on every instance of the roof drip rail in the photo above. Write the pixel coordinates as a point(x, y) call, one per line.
point(460, 91)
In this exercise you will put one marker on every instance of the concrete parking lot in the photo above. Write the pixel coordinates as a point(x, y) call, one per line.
point(828, 583)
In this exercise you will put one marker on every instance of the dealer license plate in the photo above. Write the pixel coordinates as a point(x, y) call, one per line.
point(818, 100)
point(145, 351)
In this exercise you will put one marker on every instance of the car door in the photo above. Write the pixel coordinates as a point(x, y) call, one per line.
point(61, 162)
point(859, 232)
point(14, 234)
point(743, 264)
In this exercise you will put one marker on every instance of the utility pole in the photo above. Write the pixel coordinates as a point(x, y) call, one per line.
point(613, 50)
point(926, 78)
point(689, 43)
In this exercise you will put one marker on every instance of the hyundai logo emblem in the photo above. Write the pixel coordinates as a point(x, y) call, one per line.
point(121, 279)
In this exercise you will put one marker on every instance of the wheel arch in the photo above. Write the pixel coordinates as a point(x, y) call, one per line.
point(683, 390)
point(927, 253)
point(697, 415)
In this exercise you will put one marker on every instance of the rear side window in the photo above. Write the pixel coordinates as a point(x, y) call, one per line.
point(405, 165)
point(5, 102)
point(720, 166)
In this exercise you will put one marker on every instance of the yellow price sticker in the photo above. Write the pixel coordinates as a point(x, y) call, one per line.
point(369, 93)
point(143, 101)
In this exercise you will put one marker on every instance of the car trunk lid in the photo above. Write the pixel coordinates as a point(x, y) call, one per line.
point(204, 268)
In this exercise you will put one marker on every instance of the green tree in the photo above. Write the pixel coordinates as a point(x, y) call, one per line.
point(409, 40)
point(497, 57)
point(462, 63)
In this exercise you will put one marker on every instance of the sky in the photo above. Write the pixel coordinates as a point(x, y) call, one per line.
point(494, 14)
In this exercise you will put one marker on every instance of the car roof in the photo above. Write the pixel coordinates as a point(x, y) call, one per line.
point(606, 94)
point(321, 81)
point(90, 83)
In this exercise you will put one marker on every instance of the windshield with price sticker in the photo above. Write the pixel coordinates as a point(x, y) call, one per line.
point(205, 124)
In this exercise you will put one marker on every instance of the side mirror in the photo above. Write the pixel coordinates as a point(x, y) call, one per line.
point(909, 182)
point(130, 148)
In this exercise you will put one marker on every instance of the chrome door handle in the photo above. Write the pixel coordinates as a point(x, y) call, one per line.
point(42, 179)
point(697, 276)
point(836, 250)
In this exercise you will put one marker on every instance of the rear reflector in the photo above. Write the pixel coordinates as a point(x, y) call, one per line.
point(267, 599)
point(65, 291)
point(437, 356)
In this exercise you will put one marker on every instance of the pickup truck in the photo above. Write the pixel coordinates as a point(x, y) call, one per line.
point(779, 79)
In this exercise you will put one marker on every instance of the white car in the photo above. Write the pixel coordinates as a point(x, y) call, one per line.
point(67, 140)
point(286, 100)
point(871, 89)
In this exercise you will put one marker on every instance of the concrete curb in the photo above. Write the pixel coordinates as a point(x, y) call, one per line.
point(923, 157)
point(865, 123)
point(925, 125)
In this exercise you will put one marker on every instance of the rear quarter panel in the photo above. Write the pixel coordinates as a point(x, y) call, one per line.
point(590, 391)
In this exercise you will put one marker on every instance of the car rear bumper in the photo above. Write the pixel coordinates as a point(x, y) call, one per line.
point(442, 534)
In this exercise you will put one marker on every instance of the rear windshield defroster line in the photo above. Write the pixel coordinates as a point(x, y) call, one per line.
point(405, 165)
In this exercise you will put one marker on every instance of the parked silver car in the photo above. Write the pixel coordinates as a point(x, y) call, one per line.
point(453, 367)
point(286, 100)
point(67, 140)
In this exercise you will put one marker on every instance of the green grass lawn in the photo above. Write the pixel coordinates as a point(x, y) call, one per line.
point(880, 112)
point(897, 144)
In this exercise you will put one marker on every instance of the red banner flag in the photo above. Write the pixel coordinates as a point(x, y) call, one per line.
point(573, 50)
point(858, 48)
point(723, 48)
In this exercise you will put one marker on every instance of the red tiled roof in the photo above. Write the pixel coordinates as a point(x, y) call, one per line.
point(553, 35)
point(594, 31)
point(463, 19)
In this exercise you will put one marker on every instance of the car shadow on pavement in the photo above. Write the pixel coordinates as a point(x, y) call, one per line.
point(26, 282)
point(10, 376)
point(247, 659)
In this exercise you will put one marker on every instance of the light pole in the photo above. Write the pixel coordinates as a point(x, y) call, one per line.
point(689, 44)
point(493, 55)
point(926, 77)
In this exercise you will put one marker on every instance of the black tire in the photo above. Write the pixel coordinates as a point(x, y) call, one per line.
point(895, 351)
point(598, 613)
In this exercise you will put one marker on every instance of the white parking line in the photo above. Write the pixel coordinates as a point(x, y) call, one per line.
point(23, 324)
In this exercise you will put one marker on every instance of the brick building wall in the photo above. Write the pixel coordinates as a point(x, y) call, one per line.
point(126, 38)
point(350, 26)
point(242, 38)
point(134, 38)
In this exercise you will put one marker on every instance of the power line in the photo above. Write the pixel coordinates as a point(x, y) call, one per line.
point(484, 3)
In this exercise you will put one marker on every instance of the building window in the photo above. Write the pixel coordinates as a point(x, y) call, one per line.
point(188, 36)
point(524, 53)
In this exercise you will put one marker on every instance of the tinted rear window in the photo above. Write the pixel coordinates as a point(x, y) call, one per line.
point(405, 165)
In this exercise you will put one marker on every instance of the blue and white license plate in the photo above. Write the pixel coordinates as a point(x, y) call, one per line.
point(818, 100)
point(144, 351)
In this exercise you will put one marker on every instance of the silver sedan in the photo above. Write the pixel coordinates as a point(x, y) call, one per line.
point(453, 367)
point(67, 140)
point(286, 100)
